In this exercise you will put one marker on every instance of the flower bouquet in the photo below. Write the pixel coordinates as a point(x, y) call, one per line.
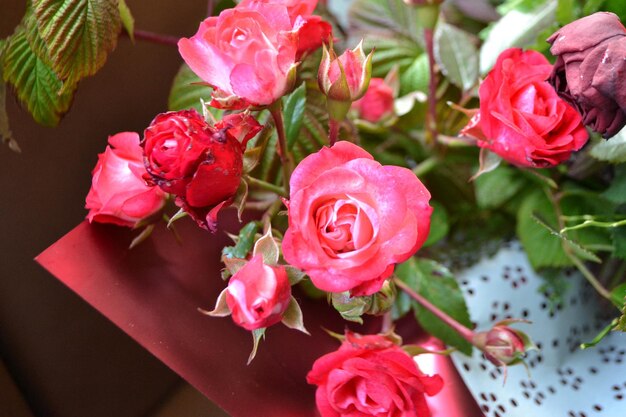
point(346, 169)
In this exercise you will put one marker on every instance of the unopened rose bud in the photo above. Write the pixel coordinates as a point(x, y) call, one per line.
point(351, 308)
point(344, 79)
point(503, 345)
point(589, 70)
point(383, 300)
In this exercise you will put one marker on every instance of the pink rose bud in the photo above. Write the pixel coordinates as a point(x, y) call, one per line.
point(198, 163)
point(503, 345)
point(118, 193)
point(344, 79)
point(371, 376)
point(258, 294)
point(352, 219)
point(249, 53)
point(377, 103)
point(590, 71)
point(521, 118)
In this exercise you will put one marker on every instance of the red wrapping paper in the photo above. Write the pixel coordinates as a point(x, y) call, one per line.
point(153, 291)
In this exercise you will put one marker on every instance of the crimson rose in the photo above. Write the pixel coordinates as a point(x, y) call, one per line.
point(521, 118)
point(200, 164)
point(590, 70)
point(371, 376)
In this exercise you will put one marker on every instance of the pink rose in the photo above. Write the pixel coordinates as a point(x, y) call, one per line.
point(249, 53)
point(258, 294)
point(347, 76)
point(377, 103)
point(371, 376)
point(200, 164)
point(118, 193)
point(351, 219)
point(521, 118)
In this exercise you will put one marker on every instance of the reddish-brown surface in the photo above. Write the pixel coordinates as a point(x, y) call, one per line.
point(153, 292)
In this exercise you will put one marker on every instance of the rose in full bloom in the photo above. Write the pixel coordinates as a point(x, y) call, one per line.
point(377, 103)
point(590, 71)
point(249, 53)
point(352, 219)
point(118, 193)
point(521, 118)
point(371, 376)
point(200, 164)
point(258, 294)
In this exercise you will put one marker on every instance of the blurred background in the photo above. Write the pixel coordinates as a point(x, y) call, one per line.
point(59, 356)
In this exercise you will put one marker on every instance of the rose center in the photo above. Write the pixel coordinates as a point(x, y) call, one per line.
point(342, 226)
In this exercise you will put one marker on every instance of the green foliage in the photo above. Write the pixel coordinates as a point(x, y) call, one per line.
point(456, 55)
point(187, 92)
point(616, 192)
point(416, 76)
point(293, 113)
point(612, 150)
point(495, 188)
point(37, 86)
point(127, 19)
point(438, 224)
point(244, 242)
point(434, 282)
point(79, 34)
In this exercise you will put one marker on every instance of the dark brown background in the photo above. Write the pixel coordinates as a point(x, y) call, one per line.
point(65, 358)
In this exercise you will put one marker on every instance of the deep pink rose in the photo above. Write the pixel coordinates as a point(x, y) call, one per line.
point(258, 294)
point(118, 193)
point(347, 76)
point(200, 164)
point(249, 53)
point(371, 376)
point(377, 103)
point(351, 219)
point(521, 118)
point(590, 70)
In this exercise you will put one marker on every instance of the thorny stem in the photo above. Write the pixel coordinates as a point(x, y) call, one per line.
point(431, 120)
point(277, 114)
point(568, 251)
point(466, 333)
point(144, 35)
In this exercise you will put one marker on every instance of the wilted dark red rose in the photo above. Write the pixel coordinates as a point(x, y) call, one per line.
point(200, 164)
point(371, 376)
point(521, 118)
point(590, 70)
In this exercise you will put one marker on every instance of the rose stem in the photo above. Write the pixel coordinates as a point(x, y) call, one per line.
point(575, 260)
point(144, 35)
point(426, 166)
point(277, 114)
point(210, 7)
point(466, 333)
point(333, 132)
point(267, 186)
point(431, 122)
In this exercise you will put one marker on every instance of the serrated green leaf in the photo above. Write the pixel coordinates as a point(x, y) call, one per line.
point(34, 81)
point(456, 55)
point(79, 34)
point(128, 21)
point(416, 76)
point(495, 188)
point(576, 247)
point(543, 248)
point(187, 92)
point(438, 224)
point(434, 282)
point(612, 150)
point(244, 243)
point(293, 113)
point(515, 29)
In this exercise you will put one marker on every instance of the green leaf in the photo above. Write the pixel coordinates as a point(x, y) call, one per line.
point(257, 335)
point(618, 295)
point(543, 248)
point(34, 81)
point(293, 318)
point(566, 11)
point(438, 224)
point(495, 188)
point(616, 192)
point(267, 247)
point(618, 237)
point(128, 21)
point(576, 247)
point(437, 284)
point(612, 150)
point(187, 92)
point(416, 76)
point(244, 243)
point(293, 113)
point(79, 34)
point(515, 29)
point(456, 55)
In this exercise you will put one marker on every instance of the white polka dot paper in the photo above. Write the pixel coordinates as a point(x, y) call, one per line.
point(564, 380)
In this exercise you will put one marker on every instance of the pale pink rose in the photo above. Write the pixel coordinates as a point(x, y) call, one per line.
point(352, 219)
point(377, 103)
point(118, 193)
point(248, 53)
point(258, 294)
